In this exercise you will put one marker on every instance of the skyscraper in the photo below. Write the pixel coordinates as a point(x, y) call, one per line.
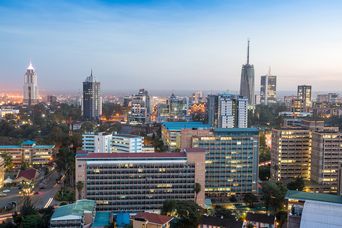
point(140, 108)
point(92, 101)
point(304, 95)
point(30, 86)
point(227, 111)
point(247, 80)
point(268, 89)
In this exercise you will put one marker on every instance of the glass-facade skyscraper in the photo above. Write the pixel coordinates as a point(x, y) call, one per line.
point(268, 89)
point(247, 81)
point(92, 101)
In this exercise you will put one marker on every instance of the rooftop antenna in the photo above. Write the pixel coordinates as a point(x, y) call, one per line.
point(248, 52)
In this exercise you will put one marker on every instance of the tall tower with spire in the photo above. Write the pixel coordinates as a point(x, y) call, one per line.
point(247, 81)
point(30, 89)
point(92, 100)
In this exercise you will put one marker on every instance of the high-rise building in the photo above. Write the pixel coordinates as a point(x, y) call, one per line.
point(290, 153)
point(140, 108)
point(178, 106)
point(30, 86)
point(231, 161)
point(326, 156)
point(111, 143)
point(227, 111)
point(140, 181)
point(304, 95)
point(2, 172)
point(92, 100)
point(268, 89)
point(247, 81)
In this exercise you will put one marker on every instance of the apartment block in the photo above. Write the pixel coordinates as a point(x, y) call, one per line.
point(140, 181)
point(290, 153)
point(29, 152)
point(231, 161)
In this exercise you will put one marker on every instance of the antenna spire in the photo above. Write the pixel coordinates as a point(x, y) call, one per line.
point(269, 70)
point(248, 53)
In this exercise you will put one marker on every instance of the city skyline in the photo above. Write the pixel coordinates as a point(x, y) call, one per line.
point(201, 43)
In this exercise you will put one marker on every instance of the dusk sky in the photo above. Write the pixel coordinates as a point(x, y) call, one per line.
point(169, 44)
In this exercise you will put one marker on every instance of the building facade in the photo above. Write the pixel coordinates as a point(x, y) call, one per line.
point(291, 153)
point(140, 108)
point(171, 132)
point(227, 111)
point(247, 81)
point(268, 89)
point(92, 100)
point(110, 143)
point(304, 94)
point(30, 86)
point(231, 161)
point(29, 152)
point(140, 181)
point(326, 156)
point(2, 172)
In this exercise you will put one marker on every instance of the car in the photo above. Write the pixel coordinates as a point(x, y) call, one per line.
point(3, 194)
point(6, 191)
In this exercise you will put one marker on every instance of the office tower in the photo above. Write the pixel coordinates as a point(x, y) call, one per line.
point(29, 152)
point(30, 86)
point(268, 89)
point(304, 95)
point(110, 143)
point(140, 108)
point(231, 161)
point(197, 97)
point(178, 106)
point(171, 132)
point(290, 153)
point(92, 101)
point(140, 181)
point(247, 80)
point(326, 156)
point(227, 111)
point(2, 172)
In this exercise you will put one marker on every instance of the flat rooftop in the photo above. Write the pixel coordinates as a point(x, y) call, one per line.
point(303, 196)
point(177, 126)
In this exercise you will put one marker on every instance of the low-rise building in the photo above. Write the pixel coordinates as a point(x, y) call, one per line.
point(171, 132)
point(140, 181)
point(151, 220)
point(259, 220)
point(78, 214)
point(29, 152)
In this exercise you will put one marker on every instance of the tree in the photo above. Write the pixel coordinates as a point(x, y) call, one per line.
point(264, 172)
point(187, 213)
point(298, 184)
point(79, 186)
point(32, 221)
point(27, 208)
point(220, 211)
point(273, 195)
point(7, 160)
point(88, 127)
point(197, 190)
point(250, 199)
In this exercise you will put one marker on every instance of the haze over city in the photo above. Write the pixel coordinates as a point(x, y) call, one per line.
point(175, 45)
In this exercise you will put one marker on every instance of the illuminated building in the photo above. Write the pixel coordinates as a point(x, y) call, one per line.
point(2, 172)
point(231, 161)
point(30, 86)
point(326, 156)
point(110, 143)
point(304, 95)
point(140, 181)
point(268, 89)
point(29, 152)
point(140, 108)
point(171, 132)
point(290, 153)
point(92, 100)
point(227, 111)
point(8, 111)
point(178, 107)
point(247, 81)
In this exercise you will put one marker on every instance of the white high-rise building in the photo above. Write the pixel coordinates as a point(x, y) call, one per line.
point(111, 143)
point(228, 111)
point(30, 86)
point(268, 89)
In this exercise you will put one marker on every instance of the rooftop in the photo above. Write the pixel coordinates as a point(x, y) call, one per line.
point(263, 218)
point(297, 195)
point(127, 135)
point(220, 222)
point(29, 173)
point(76, 209)
point(131, 155)
point(102, 219)
point(183, 125)
point(153, 218)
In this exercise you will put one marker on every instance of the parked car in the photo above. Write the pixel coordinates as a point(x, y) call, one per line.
point(6, 191)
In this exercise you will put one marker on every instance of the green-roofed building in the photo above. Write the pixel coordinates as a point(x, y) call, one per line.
point(303, 196)
point(78, 214)
point(29, 152)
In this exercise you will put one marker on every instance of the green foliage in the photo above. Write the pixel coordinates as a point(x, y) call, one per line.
point(273, 195)
point(266, 115)
point(7, 160)
point(187, 213)
point(220, 211)
point(32, 221)
point(264, 173)
point(297, 184)
point(87, 126)
point(250, 199)
point(281, 217)
point(109, 109)
point(65, 195)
